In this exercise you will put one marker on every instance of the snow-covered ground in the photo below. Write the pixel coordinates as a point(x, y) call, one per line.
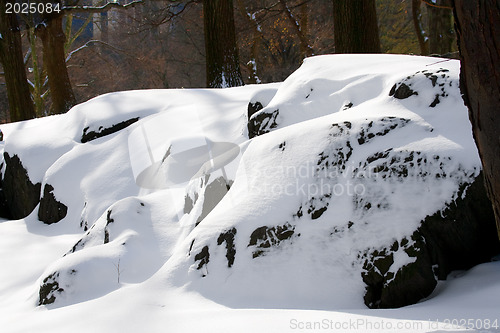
point(154, 241)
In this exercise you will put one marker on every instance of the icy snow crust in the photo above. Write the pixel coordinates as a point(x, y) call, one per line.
point(326, 182)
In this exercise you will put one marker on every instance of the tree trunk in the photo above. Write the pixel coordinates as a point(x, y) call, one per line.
point(355, 26)
point(257, 40)
point(53, 39)
point(440, 27)
point(223, 68)
point(478, 30)
point(423, 40)
point(11, 56)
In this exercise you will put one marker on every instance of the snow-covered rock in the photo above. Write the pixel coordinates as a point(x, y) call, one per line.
point(357, 183)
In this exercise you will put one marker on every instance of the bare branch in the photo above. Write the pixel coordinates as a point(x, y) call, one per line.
point(95, 41)
point(434, 5)
point(101, 9)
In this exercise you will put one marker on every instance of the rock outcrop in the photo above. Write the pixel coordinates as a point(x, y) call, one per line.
point(21, 195)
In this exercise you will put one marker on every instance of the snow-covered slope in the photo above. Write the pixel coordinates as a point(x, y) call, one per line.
point(167, 209)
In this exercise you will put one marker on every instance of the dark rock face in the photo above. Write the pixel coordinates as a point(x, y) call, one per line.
point(203, 257)
point(266, 237)
point(92, 135)
point(254, 108)
point(109, 220)
point(262, 122)
point(21, 195)
point(51, 210)
point(383, 126)
point(228, 238)
point(440, 80)
point(4, 208)
point(459, 237)
point(401, 91)
point(49, 289)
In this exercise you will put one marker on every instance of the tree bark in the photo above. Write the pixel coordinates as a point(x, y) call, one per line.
point(54, 60)
point(258, 36)
point(355, 26)
point(477, 25)
point(423, 40)
point(11, 56)
point(222, 64)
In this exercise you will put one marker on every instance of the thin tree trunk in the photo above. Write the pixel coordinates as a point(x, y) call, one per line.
point(355, 26)
point(53, 40)
point(223, 68)
point(257, 39)
point(440, 27)
point(423, 40)
point(11, 56)
point(478, 30)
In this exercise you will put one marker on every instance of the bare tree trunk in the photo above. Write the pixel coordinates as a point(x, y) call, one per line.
point(423, 40)
point(440, 27)
point(258, 36)
point(11, 56)
point(355, 26)
point(223, 68)
point(53, 40)
point(478, 30)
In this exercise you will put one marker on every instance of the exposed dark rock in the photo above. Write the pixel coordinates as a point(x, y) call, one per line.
point(318, 205)
point(1, 135)
point(254, 108)
point(440, 81)
point(108, 217)
point(262, 122)
point(380, 128)
point(228, 238)
point(92, 135)
point(51, 210)
point(78, 246)
point(203, 257)
point(265, 237)
point(109, 220)
point(457, 238)
point(49, 289)
point(338, 152)
point(21, 194)
point(401, 91)
point(347, 106)
point(83, 222)
point(435, 101)
point(4, 208)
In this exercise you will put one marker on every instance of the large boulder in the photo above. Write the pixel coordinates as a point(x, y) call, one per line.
point(21, 195)
point(457, 238)
point(386, 190)
point(51, 210)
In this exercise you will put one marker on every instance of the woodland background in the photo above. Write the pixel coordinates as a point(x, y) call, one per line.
point(159, 44)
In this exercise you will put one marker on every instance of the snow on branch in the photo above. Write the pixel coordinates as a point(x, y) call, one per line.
point(103, 8)
point(435, 5)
